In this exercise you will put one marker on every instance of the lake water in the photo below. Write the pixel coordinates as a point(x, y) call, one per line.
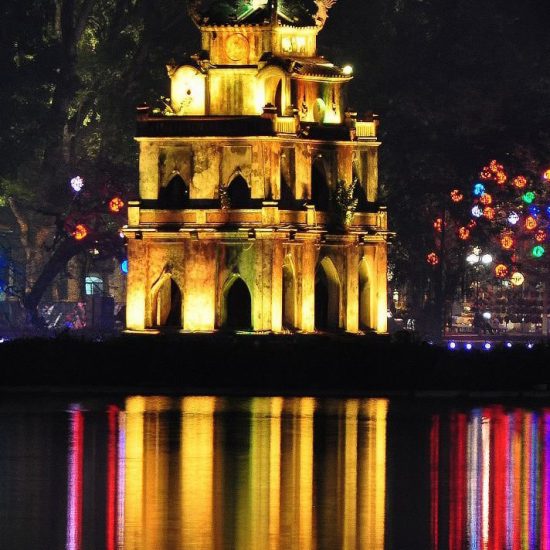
point(209, 473)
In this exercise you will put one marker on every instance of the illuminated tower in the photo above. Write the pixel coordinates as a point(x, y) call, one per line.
point(243, 182)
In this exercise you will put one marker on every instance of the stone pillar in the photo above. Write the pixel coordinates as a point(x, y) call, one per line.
point(307, 277)
point(136, 290)
point(277, 287)
point(148, 171)
point(381, 288)
point(352, 289)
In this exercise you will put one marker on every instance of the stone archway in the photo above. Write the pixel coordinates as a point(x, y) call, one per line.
point(320, 194)
point(175, 195)
point(327, 296)
point(239, 193)
point(166, 303)
point(365, 301)
point(289, 295)
point(237, 305)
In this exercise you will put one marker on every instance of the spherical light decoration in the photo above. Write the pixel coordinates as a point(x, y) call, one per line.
point(456, 195)
point(519, 181)
point(495, 167)
point(124, 266)
point(513, 218)
point(116, 204)
point(463, 233)
point(507, 242)
point(546, 175)
point(530, 223)
point(486, 173)
point(489, 212)
point(432, 258)
point(517, 278)
point(80, 232)
point(540, 235)
point(477, 212)
point(472, 258)
point(538, 251)
point(534, 210)
point(486, 199)
point(501, 271)
point(77, 183)
point(479, 189)
point(501, 177)
point(438, 225)
point(486, 259)
point(528, 197)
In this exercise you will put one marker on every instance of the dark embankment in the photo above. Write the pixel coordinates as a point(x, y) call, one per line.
point(267, 364)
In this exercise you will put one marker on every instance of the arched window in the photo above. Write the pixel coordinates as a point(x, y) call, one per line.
point(327, 296)
point(239, 193)
point(238, 306)
point(175, 195)
point(320, 194)
point(93, 285)
point(166, 311)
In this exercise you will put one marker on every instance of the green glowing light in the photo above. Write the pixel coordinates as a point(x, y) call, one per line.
point(538, 251)
point(528, 197)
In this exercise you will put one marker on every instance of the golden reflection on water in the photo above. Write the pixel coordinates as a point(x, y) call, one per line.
point(272, 474)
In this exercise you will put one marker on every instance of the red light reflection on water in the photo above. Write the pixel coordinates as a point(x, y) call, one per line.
point(74, 494)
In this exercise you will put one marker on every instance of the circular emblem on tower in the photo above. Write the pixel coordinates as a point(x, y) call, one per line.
point(236, 47)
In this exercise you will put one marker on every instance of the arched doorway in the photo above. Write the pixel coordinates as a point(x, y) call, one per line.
point(319, 185)
point(175, 195)
point(327, 296)
point(166, 310)
point(238, 306)
point(365, 314)
point(289, 295)
point(239, 193)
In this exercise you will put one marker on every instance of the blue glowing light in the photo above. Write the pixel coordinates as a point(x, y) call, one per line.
point(452, 345)
point(487, 346)
point(468, 346)
point(124, 266)
point(548, 211)
point(479, 189)
point(534, 210)
point(530, 345)
point(508, 344)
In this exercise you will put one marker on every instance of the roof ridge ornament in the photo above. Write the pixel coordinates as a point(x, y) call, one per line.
point(322, 11)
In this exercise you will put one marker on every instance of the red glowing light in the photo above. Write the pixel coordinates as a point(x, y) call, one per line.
point(486, 173)
point(507, 242)
point(540, 236)
point(486, 199)
point(463, 233)
point(80, 232)
point(432, 258)
point(438, 225)
point(501, 271)
point(456, 195)
point(501, 177)
point(116, 204)
point(471, 224)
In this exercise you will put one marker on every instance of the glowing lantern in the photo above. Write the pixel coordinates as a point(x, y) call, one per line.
point(486, 199)
point(80, 232)
point(456, 195)
point(124, 266)
point(546, 175)
point(507, 242)
point(77, 183)
point(489, 212)
point(116, 204)
point(477, 212)
point(501, 271)
point(513, 218)
point(479, 189)
point(534, 210)
point(530, 223)
point(432, 258)
point(519, 181)
point(517, 278)
point(501, 177)
point(528, 197)
point(486, 173)
point(463, 233)
point(538, 251)
point(438, 225)
point(540, 236)
point(495, 167)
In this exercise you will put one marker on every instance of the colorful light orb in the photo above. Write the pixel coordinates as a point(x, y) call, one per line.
point(456, 195)
point(546, 175)
point(463, 233)
point(530, 223)
point(538, 251)
point(472, 224)
point(548, 211)
point(77, 183)
point(479, 189)
point(489, 212)
point(124, 266)
point(517, 278)
point(116, 204)
point(486, 199)
point(477, 212)
point(80, 232)
point(501, 271)
point(519, 181)
point(495, 167)
point(540, 235)
point(432, 258)
point(534, 210)
point(507, 242)
point(501, 177)
point(528, 197)
point(513, 218)
point(438, 225)
point(486, 173)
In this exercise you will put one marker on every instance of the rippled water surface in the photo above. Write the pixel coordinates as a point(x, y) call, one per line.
point(208, 473)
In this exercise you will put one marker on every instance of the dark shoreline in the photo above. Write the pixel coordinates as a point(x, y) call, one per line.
point(266, 365)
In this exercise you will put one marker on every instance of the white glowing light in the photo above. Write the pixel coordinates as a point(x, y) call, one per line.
point(486, 259)
point(472, 259)
point(347, 70)
point(513, 218)
point(486, 315)
point(77, 183)
point(477, 212)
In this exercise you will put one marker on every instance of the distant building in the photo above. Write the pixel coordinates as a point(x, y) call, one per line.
point(238, 226)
